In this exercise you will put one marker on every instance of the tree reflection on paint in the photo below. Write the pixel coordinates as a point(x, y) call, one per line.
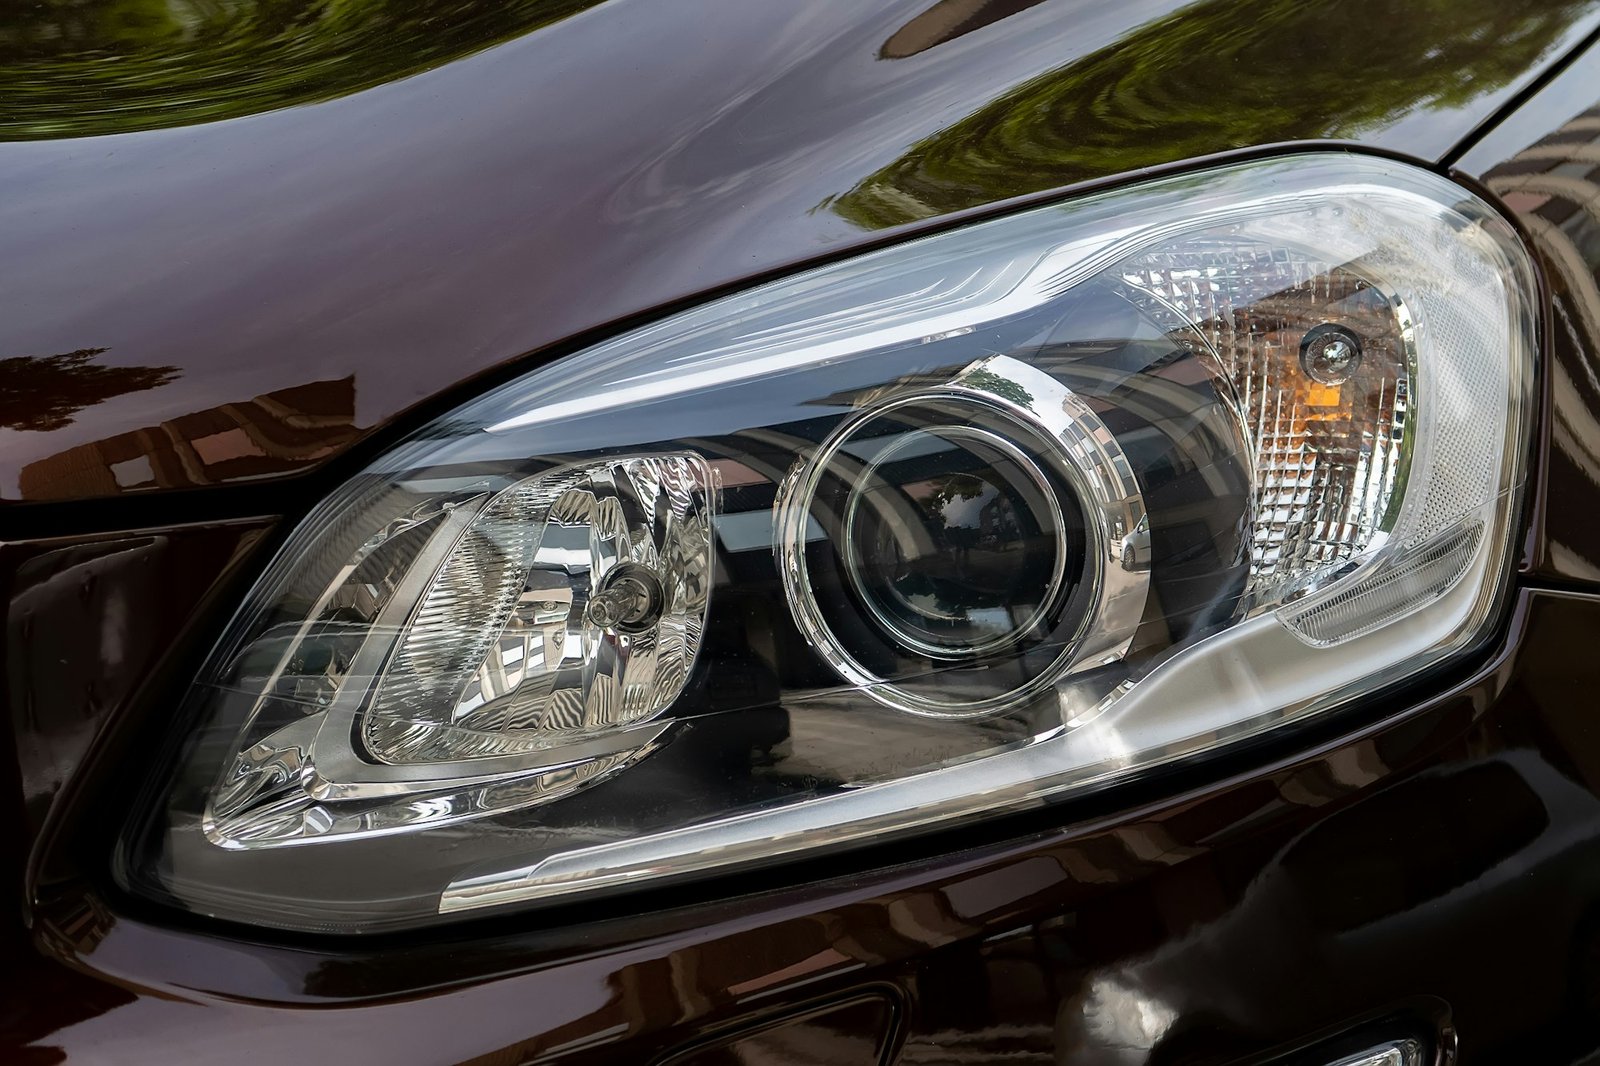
point(45, 392)
point(1215, 75)
point(70, 67)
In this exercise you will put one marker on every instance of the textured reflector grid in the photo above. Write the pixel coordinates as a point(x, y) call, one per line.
point(1329, 453)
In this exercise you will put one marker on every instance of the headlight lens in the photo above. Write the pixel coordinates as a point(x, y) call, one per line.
point(952, 528)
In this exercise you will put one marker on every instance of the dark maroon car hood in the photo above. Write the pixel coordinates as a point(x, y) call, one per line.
point(233, 251)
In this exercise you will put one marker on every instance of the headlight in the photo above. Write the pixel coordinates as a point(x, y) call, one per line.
point(957, 527)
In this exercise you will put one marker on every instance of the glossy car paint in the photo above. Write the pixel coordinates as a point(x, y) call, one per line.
point(1543, 166)
point(1420, 866)
point(214, 301)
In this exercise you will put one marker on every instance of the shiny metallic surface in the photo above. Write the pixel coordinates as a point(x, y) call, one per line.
point(235, 303)
point(480, 682)
point(1544, 164)
point(253, 290)
point(1239, 913)
point(629, 597)
point(1331, 356)
point(537, 670)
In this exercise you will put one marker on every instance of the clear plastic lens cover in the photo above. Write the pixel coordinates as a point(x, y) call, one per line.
point(932, 533)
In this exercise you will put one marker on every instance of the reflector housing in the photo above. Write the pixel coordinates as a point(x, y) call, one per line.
point(952, 528)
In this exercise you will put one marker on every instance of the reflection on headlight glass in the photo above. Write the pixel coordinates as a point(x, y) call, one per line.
point(939, 531)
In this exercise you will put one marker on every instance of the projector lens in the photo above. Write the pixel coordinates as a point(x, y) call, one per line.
point(953, 547)
point(957, 543)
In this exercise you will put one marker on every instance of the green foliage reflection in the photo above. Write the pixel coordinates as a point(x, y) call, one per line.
point(1215, 75)
point(72, 67)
